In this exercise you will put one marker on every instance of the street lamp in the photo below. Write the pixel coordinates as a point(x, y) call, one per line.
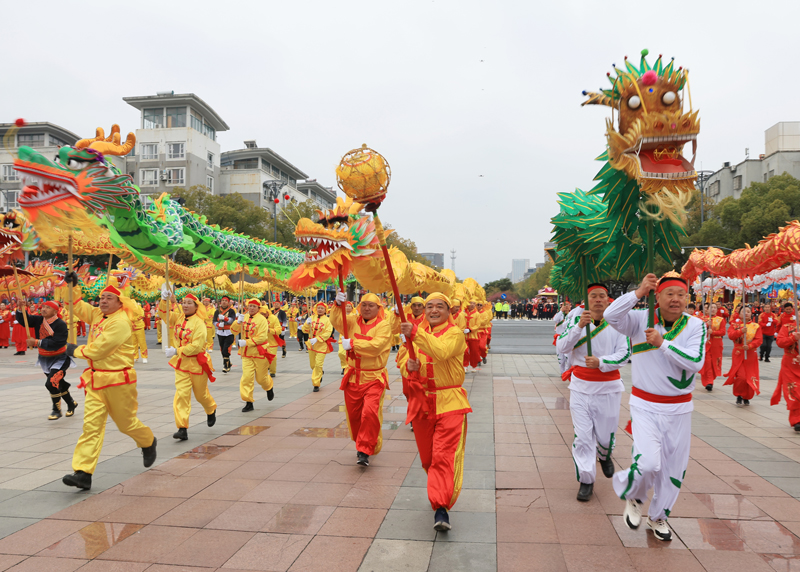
point(272, 189)
point(702, 179)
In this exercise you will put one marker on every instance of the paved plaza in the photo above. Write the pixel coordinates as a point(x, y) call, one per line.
point(278, 488)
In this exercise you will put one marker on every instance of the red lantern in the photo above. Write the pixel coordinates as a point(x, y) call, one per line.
point(287, 197)
point(277, 201)
point(19, 122)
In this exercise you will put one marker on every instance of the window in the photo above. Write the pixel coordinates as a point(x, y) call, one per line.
point(149, 151)
point(211, 160)
point(175, 176)
point(9, 174)
point(31, 139)
point(196, 121)
point(9, 199)
point(210, 183)
point(292, 182)
point(771, 173)
point(266, 166)
point(713, 189)
point(246, 164)
point(276, 171)
point(209, 132)
point(56, 142)
point(153, 118)
point(737, 183)
point(176, 117)
point(148, 177)
point(175, 151)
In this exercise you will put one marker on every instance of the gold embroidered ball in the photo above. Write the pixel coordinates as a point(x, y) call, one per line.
point(363, 174)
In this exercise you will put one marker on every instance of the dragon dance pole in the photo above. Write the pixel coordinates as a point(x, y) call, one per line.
point(390, 271)
point(651, 296)
point(344, 306)
point(744, 321)
point(71, 336)
point(108, 275)
point(794, 290)
point(25, 306)
point(164, 325)
point(586, 290)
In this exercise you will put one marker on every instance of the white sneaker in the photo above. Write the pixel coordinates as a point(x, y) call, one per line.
point(632, 513)
point(144, 360)
point(660, 528)
point(466, 370)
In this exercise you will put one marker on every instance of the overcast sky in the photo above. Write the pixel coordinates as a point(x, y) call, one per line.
point(476, 105)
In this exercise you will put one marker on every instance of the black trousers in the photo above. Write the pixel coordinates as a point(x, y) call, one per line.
point(302, 338)
point(766, 346)
point(225, 343)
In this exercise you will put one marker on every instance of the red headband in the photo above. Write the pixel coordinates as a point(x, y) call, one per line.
point(254, 301)
point(670, 281)
point(112, 290)
point(193, 298)
point(53, 305)
point(597, 287)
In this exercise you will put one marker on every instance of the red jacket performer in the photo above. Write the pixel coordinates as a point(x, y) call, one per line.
point(744, 371)
point(789, 376)
point(365, 379)
point(438, 404)
point(712, 367)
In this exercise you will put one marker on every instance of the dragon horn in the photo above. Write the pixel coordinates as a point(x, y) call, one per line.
point(597, 99)
point(110, 146)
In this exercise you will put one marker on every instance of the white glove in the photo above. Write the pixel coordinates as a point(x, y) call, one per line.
point(284, 332)
point(347, 344)
point(220, 325)
point(466, 331)
point(164, 292)
point(308, 321)
point(242, 343)
point(403, 338)
point(169, 352)
point(16, 322)
point(396, 310)
point(240, 318)
point(341, 298)
point(1, 320)
point(312, 341)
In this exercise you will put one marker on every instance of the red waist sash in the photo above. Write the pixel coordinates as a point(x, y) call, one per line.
point(590, 374)
point(653, 398)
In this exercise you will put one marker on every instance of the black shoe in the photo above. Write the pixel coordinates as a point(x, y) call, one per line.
point(316, 388)
point(342, 371)
point(797, 427)
point(149, 453)
point(709, 387)
point(585, 491)
point(766, 360)
point(158, 343)
point(270, 395)
point(78, 479)
point(272, 375)
point(248, 406)
point(738, 400)
point(212, 419)
point(54, 414)
point(746, 401)
point(181, 434)
point(760, 358)
point(362, 459)
point(19, 354)
point(441, 520)
point(484, 361)
point(608, 467)
point(72, 405)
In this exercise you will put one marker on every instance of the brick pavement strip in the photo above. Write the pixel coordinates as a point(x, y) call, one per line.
point(278, 489)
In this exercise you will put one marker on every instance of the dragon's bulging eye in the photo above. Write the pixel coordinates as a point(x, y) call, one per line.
point(337, 225)
point(669, 98)
point(634, 102)
point(76, 165)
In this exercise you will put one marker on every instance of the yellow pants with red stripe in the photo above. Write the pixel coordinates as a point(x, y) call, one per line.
point(254, 369)
point(364, 406)
point(273, 365)
point(139, 344)
point(293, 329)
point(316, 360)
point(185, 384)
point(342, 356)
point(441, 444)
point(210, 335)
point(121, 403)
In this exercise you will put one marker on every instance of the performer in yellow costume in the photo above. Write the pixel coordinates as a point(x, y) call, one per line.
point(189, 359)
point(415, 314)
point(255, 354)
point(292, 314)
point(274, 340)
point(109, 381)
point(209, 319)
point(365, 380)
point(139, 343)
point(320, 342)
point(438, 404)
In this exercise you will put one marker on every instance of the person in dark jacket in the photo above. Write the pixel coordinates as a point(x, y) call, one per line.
point(51, 341)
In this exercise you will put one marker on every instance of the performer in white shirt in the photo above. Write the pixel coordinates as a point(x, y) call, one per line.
point(595, 387)
point(666, 360)
point(560, 321)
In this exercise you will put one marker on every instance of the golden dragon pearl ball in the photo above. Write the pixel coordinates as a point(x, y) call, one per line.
point(364, 175)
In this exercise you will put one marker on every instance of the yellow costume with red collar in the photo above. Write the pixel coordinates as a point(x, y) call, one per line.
point(321, 330)
point(256, 355)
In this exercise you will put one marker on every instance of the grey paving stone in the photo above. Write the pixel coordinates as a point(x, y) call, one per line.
point(408, 525)
point(774, 468)
point(416, 477)
point(397, 556)
point(475, 500)
point(735, 440)
point(478, 448)
point(478, 479)
point(789, 485)
point(464, 557)
point(39, 504)
point(411, 498)
point(10, 525)
point(480, 428)
point(470, 527)
point(479, 462)
point(758, 453)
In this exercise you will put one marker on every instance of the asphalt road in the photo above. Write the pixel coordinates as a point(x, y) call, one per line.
point(535, 337)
